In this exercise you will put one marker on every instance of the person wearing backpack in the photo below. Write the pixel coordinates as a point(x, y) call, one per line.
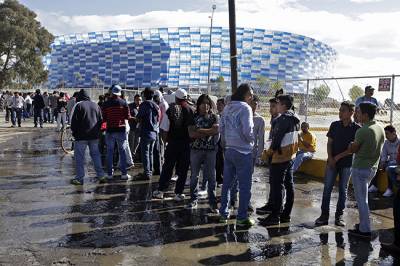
point(175, 134)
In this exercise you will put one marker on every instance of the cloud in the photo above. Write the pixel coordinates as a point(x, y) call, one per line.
point(365, 1)
point(367, 43)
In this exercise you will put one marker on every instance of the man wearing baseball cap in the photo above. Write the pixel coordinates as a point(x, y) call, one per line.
point(115, 112)
point(174, 126)
point(367, 98)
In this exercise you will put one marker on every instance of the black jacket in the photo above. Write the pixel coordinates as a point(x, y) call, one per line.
point(86, 118)
point(38, 102)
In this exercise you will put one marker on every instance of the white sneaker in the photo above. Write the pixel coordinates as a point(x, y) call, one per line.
point(203, 193)
point(158, 194)
point(174, 178)
point(126, 177)
point(372, 189)
point(388, 193)
point(179, 197)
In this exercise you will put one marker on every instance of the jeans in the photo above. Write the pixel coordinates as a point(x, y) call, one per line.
point(38, 115)
point(128, 153)
point(146, 148)
point(236, 165)
point(54, 114)
point(396, 215)
point(61, 119)
point(28, 110)
point(46, 115)
point(219, 165)
point(8, 112)
point(207, 159)
point(330, 178)
point(79, 154)
point(361, 178)
point(134, 141)
point(177, 152)
point(391, 175)
point(301, 157)
point(281, 177)
point(16, 114)
point(120, 139)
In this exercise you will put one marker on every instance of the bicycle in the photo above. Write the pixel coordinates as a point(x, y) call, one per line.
point(67, 140)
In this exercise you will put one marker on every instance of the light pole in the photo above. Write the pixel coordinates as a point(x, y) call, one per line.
point(232, 34)
point(209, 51)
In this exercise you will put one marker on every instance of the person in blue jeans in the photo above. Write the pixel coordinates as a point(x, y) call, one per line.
point(367, 147)
point(85, 125)
point(149, 119)
point(115, 112)
point(236, 128)
point(341, 133)
point(203, 150)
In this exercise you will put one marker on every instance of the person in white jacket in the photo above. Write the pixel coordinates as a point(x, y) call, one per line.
point(388, 161)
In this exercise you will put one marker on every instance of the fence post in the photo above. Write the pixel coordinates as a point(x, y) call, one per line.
point(308, 89)
point(392, 101)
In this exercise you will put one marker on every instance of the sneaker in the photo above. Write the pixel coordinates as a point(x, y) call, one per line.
point(174, 178)
point(393, 249)
point(266, 209)
point(223, 219)
point(142, 177)
point(285, 219)
point(126, 177)
point(76, 182)
point(372, 189)
point(388, 193)
point(202, 193)
point(322, 220)
point(158, 194)
point(270, 220)
point(358, 233)
point(214, 210)
point(179, 197)
point(245, 223)
point(191, 205)
point(102, 179)
point(339, 221)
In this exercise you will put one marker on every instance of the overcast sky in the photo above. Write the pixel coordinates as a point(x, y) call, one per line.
point(366, 33)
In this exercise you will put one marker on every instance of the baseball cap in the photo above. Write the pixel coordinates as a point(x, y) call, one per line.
point(369, 87)
point(181, 94)
point(116, 90)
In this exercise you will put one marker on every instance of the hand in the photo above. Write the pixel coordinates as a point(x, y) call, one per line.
point(258, 162)
point(331, 162)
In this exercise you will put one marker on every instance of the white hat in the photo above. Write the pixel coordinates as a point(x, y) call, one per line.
point(181, 94)
point(116, 90)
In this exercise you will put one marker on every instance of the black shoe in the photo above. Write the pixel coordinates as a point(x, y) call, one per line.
point(266, 209)
point(285, 219)
point(35, 126)
point(322, 220)
point(19, 125)
point(339, 221)
point(142, 177)
point(358, 233)
point(393, 249)
point(270, 220)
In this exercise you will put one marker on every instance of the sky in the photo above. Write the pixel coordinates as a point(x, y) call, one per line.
point(365, 33)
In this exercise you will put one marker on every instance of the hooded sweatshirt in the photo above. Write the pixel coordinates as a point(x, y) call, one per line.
point(236, 127)
point(285, 137)
point(86, 118)
point(389, 151)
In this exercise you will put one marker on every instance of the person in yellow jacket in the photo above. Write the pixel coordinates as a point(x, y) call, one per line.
point(307, 146)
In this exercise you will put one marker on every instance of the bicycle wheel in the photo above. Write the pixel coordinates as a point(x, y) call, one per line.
point(67, 140)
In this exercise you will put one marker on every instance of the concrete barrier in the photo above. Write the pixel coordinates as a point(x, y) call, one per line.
point(316, 168)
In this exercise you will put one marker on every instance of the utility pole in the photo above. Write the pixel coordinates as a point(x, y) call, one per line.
point(232, 34)
point(209, 52)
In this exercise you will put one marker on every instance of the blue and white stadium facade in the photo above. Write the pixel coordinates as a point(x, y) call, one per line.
point(180, 56)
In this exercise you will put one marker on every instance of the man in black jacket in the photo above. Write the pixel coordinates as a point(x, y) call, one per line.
point(86, 121)
point(38, 105)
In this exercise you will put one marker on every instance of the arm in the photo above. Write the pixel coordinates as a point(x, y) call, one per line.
point(331, 161)
point(247, 124)
point(261, 140)
point(384, 156)
point(195, 133)
point(278, 134)
point(75, 119)
point(221, 130)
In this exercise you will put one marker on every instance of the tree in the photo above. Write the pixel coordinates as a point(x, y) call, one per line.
point(221, 85)
point(23, 42)
point(321, 93)
point(355, 92)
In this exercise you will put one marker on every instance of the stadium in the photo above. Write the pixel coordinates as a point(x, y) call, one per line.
point(179, 57)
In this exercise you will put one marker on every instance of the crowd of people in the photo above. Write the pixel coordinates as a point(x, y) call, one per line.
point(51, 108)
point(223, 142)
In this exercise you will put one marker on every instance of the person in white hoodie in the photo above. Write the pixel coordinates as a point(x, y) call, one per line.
point(236, 128)
point(159, 147)
point(388, 161)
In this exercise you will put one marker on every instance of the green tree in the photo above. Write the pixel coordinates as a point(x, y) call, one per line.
point(274, 86)
point(23, 42)
point(355, 92)
point(221, 85)
point(321, 93)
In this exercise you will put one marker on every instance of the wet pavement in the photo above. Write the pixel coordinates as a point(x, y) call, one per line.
point(46, 221)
